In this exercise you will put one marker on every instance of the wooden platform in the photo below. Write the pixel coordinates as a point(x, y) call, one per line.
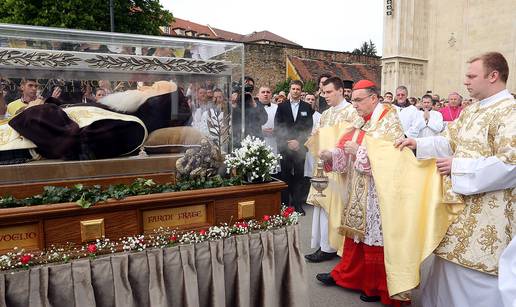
point(41, 226)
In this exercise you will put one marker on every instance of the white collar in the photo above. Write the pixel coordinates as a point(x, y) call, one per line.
point(341, 105)
point(494, 98)
point(295, 102)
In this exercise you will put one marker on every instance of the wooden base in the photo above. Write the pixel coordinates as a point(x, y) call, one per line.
point(42, 226)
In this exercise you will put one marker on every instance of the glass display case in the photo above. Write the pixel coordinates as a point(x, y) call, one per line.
point(86, 114)
point(83, 104)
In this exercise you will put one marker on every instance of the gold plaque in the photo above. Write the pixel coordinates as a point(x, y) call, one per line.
point(246, 209)
point(22, 236)
point(92, 230)
point(173, 217)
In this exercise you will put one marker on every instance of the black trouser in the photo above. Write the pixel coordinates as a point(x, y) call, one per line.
point(292, 172)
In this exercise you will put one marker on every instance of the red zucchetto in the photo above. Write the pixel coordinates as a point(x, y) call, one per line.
point(362, 84)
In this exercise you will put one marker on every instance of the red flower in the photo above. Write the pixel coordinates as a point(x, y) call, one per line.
point(202, 232)
point(266, 218)
point(173, 238)
point(92, 248)
point(288, 212)
point(241, 224)
point(25, 259)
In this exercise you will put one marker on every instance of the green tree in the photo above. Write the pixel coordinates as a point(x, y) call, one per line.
point(131, 16)
point(310, 87)
point(367, 48)
point(283, 86)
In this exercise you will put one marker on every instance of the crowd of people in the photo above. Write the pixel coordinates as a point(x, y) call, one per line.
point(471, 139)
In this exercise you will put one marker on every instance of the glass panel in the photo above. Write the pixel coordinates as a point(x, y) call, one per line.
point(91, 104)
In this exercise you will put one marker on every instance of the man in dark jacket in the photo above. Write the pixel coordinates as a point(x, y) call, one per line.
point(292, 126)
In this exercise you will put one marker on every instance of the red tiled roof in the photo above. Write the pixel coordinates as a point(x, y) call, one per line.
point(215, 33)
point(190, 26)
point(267, 36)
point(309, 69)
point(226, 35)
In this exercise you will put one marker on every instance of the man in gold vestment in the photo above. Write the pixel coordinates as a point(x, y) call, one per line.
point(477, 151)
point(327, 210)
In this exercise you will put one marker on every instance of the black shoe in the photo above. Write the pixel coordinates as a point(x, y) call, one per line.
point(369, 299)
point(320, 256)
point(310, 256)
point(326, 279)
point(301, 211)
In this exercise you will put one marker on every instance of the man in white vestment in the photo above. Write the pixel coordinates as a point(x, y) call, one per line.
point(478, 151)
point(507, 275)
point(407, 112)
point(325, 235)
point(428, 121)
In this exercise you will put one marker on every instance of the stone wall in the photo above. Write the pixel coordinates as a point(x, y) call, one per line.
point(267, 63)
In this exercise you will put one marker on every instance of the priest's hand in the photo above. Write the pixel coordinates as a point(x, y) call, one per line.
point(444, 165)
point(405, 142)
point(293, 145)
point(351, 148)
point(325, 155)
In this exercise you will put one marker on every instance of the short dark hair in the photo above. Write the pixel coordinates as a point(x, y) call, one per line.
point(336, 81)
point(388, 93)
point(427, 96)
point(296, 82)
point(493, 61)
point(217, 90)
point(247, 78)
point(323, 75)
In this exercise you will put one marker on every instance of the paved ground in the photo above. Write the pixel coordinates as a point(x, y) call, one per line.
point(322, 295)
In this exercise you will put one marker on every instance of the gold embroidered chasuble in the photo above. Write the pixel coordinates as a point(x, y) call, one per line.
point(384, 125)
point(487, 224)
point(327, 136)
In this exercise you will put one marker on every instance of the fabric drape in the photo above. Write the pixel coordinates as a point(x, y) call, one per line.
point(414, 219)
point(257, 269)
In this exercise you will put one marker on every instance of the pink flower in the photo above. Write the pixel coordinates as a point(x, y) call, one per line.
point(266, 218)
point(25, 259)
point(202, 232)
point(92, 248)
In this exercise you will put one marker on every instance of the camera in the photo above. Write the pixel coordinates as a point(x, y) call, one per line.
point(248, 85)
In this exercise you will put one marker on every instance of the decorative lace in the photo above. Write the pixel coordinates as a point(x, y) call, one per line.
point(339, 160)
point(362, 161)
point(373, 232)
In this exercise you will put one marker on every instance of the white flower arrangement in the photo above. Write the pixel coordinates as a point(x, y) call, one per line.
point(253, 161)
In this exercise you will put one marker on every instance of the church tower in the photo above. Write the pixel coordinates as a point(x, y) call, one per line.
point(426, 44)
point(405, 45)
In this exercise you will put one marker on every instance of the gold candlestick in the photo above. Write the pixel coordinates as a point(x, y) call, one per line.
point(319, 181)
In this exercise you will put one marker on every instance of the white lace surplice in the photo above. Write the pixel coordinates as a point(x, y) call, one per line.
point(373, 232)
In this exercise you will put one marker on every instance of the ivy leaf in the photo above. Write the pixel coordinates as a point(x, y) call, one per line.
point(82, 202)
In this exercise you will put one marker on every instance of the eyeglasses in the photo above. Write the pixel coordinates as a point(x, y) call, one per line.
point(359, 100)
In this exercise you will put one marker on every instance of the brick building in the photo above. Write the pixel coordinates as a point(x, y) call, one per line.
point(270, 58)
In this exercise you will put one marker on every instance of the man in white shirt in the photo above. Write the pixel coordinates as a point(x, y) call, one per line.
point(407, 112)
point(428, 121)
point(264, 96)
point(478, 152)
